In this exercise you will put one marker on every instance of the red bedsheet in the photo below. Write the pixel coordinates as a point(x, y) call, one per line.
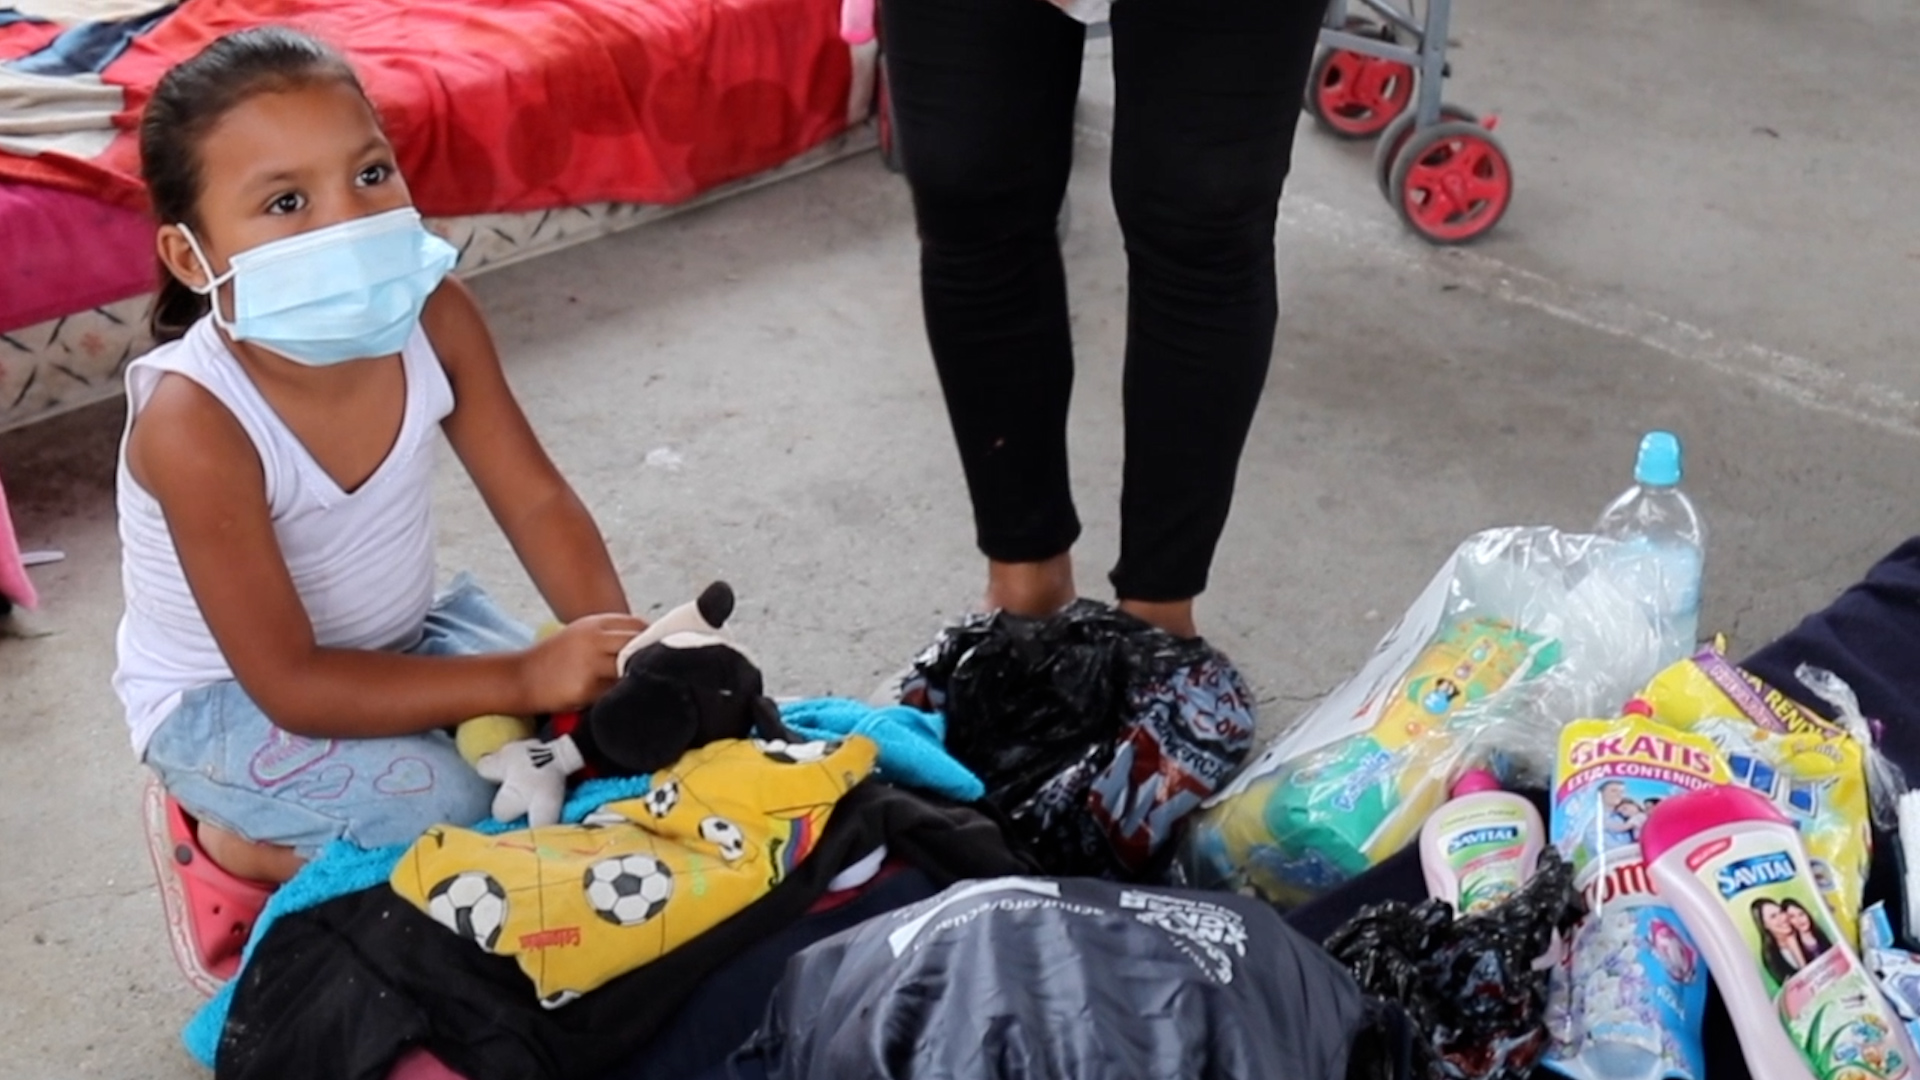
point(529, 104)
point(21, 37)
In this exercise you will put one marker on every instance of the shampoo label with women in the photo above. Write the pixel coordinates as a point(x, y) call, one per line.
point(1776, 909)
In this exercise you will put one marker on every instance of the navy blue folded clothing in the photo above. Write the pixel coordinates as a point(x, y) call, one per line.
point(1870, 637)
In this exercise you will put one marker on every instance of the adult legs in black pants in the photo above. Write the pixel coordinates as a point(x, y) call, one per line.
point(1207, 97)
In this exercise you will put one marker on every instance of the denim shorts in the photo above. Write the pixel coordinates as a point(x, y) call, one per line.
point(226, 763)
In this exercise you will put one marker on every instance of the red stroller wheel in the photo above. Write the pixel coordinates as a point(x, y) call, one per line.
point(1355, 96)
point(1387, 150)
point(1452, 182)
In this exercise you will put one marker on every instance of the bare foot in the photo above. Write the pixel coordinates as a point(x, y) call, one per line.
point(1173, 616)
point(247, 860)
point(1035, 589)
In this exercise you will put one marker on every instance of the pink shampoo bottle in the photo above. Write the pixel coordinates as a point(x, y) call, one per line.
point(1480, 847)
point(1803, 1005)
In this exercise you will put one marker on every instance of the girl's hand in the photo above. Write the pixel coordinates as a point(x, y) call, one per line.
point(574, 667)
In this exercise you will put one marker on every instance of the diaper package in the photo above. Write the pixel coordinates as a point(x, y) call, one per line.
point(1627, 999)
point(1522, 630)
point(1327, 815)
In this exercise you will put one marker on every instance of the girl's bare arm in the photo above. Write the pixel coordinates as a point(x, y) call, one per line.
point(549, 527)
point(190, 454)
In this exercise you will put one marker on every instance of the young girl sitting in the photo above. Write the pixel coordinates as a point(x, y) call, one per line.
point(285, 665)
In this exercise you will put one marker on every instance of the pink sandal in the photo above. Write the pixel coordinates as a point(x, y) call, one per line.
point(210, 913)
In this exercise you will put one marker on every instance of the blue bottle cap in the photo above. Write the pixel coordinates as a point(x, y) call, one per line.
point(1659, 464)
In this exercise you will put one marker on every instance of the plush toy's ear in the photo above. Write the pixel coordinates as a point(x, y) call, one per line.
point(702, 616)
point(716, 604)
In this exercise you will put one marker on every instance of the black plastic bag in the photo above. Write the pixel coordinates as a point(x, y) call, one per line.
point(1019, 978)
point(1471, 987)
point(1096, 733)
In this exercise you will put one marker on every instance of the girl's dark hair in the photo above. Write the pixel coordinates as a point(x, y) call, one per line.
point(1819, 935)
point(187, 103)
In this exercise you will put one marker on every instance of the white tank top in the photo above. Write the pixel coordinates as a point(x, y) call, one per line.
point(362, 562)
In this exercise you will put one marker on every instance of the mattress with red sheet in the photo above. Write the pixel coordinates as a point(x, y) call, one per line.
point(493, 107)
point(530, 104)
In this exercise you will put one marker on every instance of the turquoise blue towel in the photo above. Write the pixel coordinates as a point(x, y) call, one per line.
point(913, 744)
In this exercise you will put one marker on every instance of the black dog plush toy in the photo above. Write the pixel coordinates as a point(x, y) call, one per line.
point(683, 683)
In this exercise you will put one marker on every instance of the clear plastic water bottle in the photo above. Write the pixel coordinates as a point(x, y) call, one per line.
point(1663, 543)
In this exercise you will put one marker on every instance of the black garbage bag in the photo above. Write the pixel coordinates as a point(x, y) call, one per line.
point(1096, 733)
point(1470, 987)
point(1071, 979)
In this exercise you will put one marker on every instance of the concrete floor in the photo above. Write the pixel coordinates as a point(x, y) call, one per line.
point(1713, 232)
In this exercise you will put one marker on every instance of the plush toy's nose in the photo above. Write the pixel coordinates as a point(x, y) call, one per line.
point(716, 604)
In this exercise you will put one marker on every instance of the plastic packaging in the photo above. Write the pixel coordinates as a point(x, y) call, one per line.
point(1629, 996)
point(1474, 987)
point(1521, 631)
point(1907, 855)
point(1663, 542)
point(1708, 684)
point(1894, 968)
point(1815, 772)
point(1096, 734)
point(1482, 846)
point(1802, 1002)
point(1885, 783)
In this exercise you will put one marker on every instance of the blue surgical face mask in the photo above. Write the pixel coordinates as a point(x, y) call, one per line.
point(345, 292)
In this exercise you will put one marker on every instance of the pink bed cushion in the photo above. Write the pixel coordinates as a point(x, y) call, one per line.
point(61, 253)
